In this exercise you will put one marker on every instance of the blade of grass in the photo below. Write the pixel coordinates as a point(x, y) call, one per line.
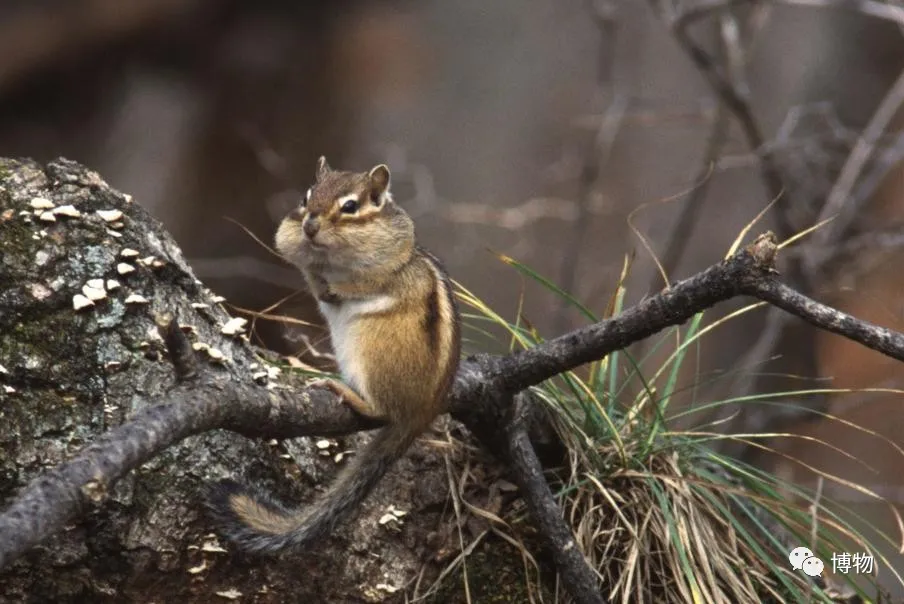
point(525, 270)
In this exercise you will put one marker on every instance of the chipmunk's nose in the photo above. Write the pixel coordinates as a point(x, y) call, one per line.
point(311, 226)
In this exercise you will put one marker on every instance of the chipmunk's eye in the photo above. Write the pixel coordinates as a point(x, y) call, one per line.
point(307, 197)
point(349, 206)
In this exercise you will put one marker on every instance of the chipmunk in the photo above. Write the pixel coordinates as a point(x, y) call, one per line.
point(395, 330)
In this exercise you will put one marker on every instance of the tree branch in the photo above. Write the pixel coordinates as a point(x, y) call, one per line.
point(50, 501)
point(673, 306)
point(581, 582)
point(880, 339)
point(838, 200)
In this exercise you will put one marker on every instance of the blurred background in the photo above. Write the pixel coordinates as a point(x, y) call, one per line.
point(568, 135)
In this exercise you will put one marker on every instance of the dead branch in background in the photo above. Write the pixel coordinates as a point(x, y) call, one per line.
point(736, 97)
point(728, 84)
point(679, 234)
point(820, 258)
point(599, 152)
point(845, 202)
point(871, 8)
point(839, 204)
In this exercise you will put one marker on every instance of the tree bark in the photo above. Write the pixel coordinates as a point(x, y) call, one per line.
point(67, 376)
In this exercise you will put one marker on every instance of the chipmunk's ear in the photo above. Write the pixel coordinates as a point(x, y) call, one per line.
point(323, 168)
point(379, 182)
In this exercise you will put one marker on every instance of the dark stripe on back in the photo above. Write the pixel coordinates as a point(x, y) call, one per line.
point(434, 305)
point(447, 283)
point(456, 320)
point(431, 319)
point(455, 341)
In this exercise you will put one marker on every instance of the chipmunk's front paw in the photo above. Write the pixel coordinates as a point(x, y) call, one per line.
point(324, 384)
point(347, 396)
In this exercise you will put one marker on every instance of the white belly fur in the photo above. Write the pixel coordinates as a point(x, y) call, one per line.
point(342, 319)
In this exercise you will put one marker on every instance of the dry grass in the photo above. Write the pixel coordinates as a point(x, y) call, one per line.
point(658, 514)
point(659, 533)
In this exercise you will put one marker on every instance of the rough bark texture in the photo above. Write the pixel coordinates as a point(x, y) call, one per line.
point(68, 375)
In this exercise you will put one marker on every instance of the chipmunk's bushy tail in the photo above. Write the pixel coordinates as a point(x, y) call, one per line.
point(259, 524)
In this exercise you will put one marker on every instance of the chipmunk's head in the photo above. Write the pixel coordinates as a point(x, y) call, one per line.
point(347, 221)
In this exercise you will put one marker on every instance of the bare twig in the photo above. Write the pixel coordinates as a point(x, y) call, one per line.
point(680, 233)
point(701, 9)
point(857, 160)
point(891, 155)
point(581, 582)
point(872, 8)
point(880, 242)
point(598, 155)
point(737, 101)
point(728, 85)
point(880, 339)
